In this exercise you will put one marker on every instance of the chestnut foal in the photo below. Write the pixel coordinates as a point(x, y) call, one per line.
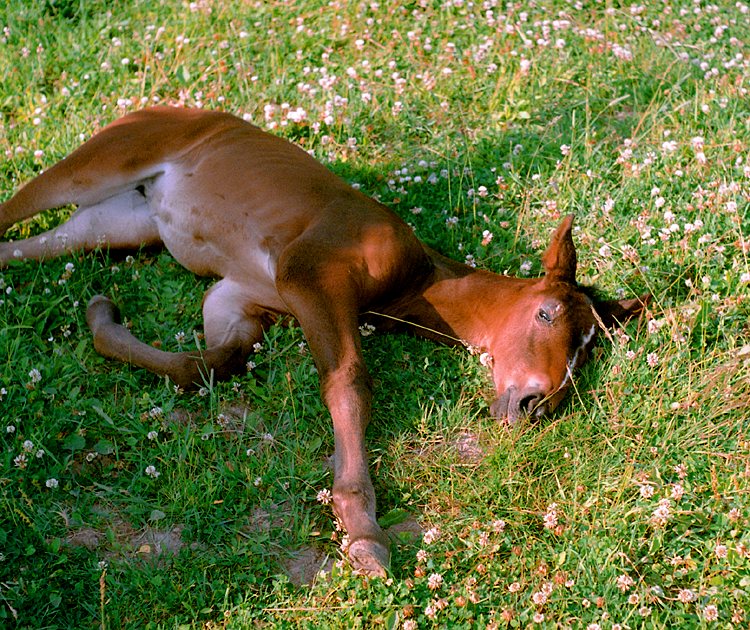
point(286, 236)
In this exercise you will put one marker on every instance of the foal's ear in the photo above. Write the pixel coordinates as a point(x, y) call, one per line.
point(615, 312)
point(560, 258)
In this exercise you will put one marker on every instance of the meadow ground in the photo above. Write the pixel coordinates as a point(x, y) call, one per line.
point(124, 503)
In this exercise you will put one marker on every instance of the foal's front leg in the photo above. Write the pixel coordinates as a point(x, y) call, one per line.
point(347, 393)
point(327, 312)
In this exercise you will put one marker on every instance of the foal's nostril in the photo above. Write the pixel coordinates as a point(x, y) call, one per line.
point(528, 403)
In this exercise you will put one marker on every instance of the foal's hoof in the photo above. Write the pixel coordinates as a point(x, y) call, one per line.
point(101, 310)
point(369, 557)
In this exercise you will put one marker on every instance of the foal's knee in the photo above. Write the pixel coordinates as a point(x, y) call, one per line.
point(347, 380)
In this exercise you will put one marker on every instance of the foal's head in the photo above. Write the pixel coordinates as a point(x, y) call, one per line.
point(547, 332)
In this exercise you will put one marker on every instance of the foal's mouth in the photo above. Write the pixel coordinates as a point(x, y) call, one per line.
point(513, 405)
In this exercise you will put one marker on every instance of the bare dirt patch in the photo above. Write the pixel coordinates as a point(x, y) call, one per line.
point(118, 540)
point(303, 565)
point(466, 446)
point(407, 531)
point(126, 542)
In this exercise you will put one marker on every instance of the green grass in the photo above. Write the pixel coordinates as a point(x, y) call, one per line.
point(628, 508)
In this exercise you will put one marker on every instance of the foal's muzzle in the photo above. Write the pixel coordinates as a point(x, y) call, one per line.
point(515, 403)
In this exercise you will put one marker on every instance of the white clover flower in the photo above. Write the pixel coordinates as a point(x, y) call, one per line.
point(324, 496)
point(431, 535)
point(662, 514)
point(51, 483)
point(435, 581)
point(624, 582)
point(686, 596)
point(539, 598)
point(710, 613)
point(152, 472)
point(551, 517)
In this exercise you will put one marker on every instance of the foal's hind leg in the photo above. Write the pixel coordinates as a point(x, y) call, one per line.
point(123, 221)
point(232, 324)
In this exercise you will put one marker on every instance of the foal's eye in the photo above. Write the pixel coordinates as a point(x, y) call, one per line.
point(544, 316)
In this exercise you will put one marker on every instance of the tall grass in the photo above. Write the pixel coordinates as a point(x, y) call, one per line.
point(124, 503)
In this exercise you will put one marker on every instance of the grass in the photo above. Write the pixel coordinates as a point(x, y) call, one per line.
point(629, 508)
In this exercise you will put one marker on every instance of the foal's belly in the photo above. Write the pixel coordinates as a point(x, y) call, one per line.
point(210, 237)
